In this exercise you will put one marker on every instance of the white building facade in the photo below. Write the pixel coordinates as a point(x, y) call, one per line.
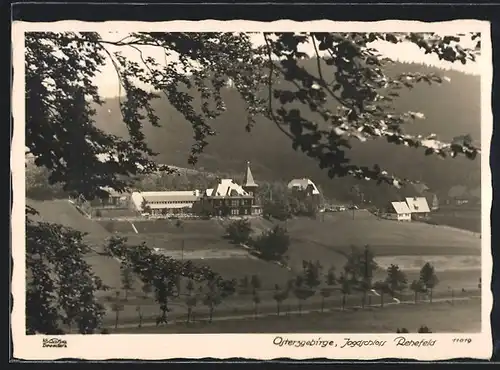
point(418, 206)
point(399, 211)
point(165, 203)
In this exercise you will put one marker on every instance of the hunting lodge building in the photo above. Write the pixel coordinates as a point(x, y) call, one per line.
point(225, 198)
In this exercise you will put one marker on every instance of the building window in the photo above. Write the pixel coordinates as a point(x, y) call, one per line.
point(234, 203)
point(234, 212)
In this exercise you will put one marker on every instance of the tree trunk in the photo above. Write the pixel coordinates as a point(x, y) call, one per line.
point(140, 320)
point(416, 297)
point(382, 300)
point(211, 314)
point(363, 300)
point(126, 294)
point(277, 308)
point(116, 318)
point(343, 302)
point(430, 296)
point(188, 315)
point(322, 304)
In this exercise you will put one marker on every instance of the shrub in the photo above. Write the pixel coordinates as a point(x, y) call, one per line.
point(273, 244)
point(239, 231)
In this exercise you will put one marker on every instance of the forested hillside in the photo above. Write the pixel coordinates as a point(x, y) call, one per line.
point(451, 109)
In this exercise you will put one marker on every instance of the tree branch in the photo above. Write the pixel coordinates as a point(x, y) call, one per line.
point(270, 87)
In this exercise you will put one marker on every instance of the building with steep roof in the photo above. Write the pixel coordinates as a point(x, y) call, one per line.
point(227, 198)
point(249, 184)
point(418, 206)
point(399, 211)
point(419, 189)
point(226, 188)
point(304, 185)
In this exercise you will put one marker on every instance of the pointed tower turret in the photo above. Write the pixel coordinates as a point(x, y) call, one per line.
point(249, 184)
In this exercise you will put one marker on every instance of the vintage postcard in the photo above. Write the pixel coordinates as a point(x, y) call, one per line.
point(254, 190)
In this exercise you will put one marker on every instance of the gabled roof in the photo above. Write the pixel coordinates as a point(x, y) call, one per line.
point(226, 188)
point(303, 184)
point(418, 205)
point(248, 181)
point(400, 207)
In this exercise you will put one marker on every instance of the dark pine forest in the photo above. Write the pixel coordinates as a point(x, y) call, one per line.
point(451, 109)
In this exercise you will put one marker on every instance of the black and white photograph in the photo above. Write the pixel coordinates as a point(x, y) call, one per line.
point(317, 186)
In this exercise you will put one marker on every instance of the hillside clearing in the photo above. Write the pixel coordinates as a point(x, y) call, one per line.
point(326, 239)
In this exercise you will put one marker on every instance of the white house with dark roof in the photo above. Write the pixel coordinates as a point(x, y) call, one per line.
point(418, 206)
point(304, 185)
point(399, 211)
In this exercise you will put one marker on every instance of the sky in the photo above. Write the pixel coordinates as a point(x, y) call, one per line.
point(107, 81)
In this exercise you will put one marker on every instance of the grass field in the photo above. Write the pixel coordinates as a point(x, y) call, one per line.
point(176, 241)
point(337, 230)
point(115, 212)
point(119, 227)
point(367, 229)
point(463, 283)
point(269, 273)
point(455, 253)
point(462, 219)
point(442, 317)
point(61, 211)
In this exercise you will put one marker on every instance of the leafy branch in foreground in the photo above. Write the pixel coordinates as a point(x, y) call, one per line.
point(162, 273)
point(349, 96)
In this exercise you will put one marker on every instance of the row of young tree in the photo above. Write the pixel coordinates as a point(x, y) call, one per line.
point(312, 280)
point(272, 245)
point(356, 277)
point(210, 293)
